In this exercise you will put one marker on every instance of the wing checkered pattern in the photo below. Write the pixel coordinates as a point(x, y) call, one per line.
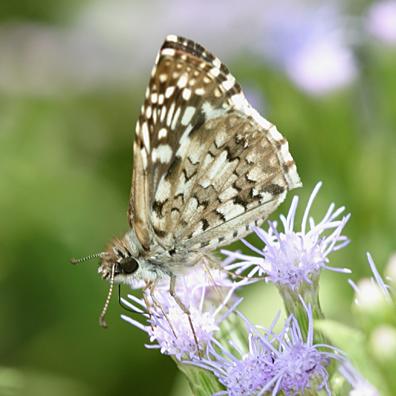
point(206, 165)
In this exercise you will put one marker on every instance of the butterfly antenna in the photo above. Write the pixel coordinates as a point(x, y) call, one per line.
point(102, 320)
point(90, 257)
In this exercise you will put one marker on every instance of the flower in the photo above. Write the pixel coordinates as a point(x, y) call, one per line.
point(360, 386)
point(241, 373)
point(390, 270)
point(292, 258)
point(383, 344)
point(381, 21)
point(169, 327)
point(322, 66)
point(273, 362)
point(370, 294)
point(311, 47)
point(301, 364)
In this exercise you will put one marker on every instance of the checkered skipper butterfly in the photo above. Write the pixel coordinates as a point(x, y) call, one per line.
point(206, 168)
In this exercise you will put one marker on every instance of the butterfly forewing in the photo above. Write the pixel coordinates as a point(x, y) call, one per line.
point(206, 165)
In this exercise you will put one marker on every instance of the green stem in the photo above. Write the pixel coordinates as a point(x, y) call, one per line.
point(202, 382)
point(294, 305)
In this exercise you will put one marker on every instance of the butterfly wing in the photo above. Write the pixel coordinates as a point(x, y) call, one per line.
point(207, 165)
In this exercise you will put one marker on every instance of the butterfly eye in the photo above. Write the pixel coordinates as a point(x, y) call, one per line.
point(129, 265)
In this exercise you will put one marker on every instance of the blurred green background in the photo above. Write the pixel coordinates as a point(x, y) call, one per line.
point(72, 79)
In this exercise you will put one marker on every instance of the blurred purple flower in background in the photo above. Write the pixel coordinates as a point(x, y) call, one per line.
point(381, 21)
point(322, 66)
point(114, 41)
point(309, 42)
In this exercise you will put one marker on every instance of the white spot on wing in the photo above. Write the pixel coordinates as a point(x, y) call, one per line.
point(182, 81)
point(188, 115)
point(163, 153)
point(221, 138)
point(171, 37)
point(204, 183)
point(191, 208)
point(144, 157)
point(154, 97)
point(175, 118)
point(230, 210)
point(186, 93)
point(163, 190)
point(163, 132)
point(163, 113)
point(148, 112)
point(146, 136)
point(217, 165)
point(214, 71)
point(168, 51)
point(254, 174)
point(170, 114)
point(217, 63)
point(228, 84)
point(169, 92)
point(228, 193)
point(198, 229)
point(210, 111)
point(137, 129)
point(195, 156)
point(184, 143)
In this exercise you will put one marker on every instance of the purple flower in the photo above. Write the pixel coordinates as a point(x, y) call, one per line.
point(311, 46)
point(284, 362)
point(241, 373)
point(292, 258)
point(209, 299)
point(381, 21)
point(300, 363)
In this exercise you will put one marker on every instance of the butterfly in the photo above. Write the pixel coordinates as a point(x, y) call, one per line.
point(207, 167)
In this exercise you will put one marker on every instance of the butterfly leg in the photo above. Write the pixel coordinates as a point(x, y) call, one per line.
point(155, 303)
point(147, 303)
point(172, 291)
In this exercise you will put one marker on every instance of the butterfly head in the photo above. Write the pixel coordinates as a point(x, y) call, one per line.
point(118, 263)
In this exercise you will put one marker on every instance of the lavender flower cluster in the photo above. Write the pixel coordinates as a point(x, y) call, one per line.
point(216, 345)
